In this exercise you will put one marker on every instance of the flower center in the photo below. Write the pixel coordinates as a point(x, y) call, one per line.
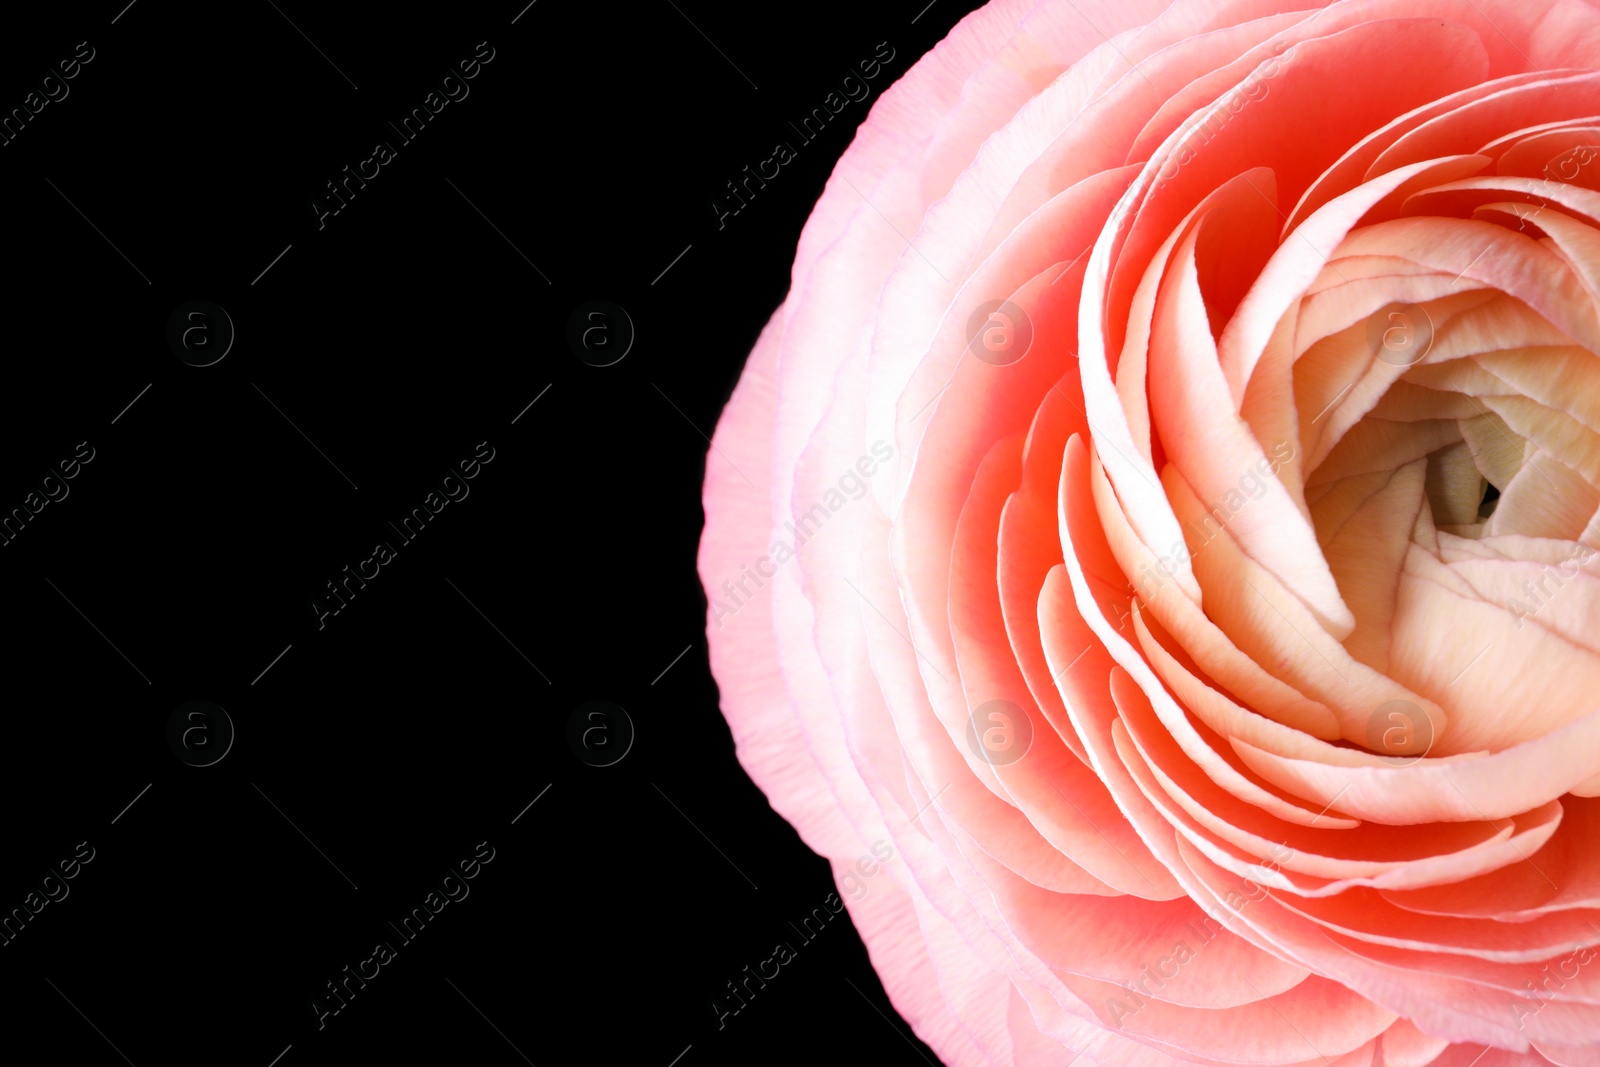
point(1448, 391)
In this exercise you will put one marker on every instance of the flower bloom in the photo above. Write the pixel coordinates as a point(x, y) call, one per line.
point(1164, 513)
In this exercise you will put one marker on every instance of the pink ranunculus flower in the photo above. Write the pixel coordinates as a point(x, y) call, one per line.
point(1174, 539)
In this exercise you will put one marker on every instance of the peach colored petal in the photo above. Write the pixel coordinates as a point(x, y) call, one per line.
point(1476, 122)
point(1086, 492)
point(1187, 391)
point(1496, 786)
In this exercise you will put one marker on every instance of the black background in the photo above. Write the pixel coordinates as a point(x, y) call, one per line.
point(372, 355)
